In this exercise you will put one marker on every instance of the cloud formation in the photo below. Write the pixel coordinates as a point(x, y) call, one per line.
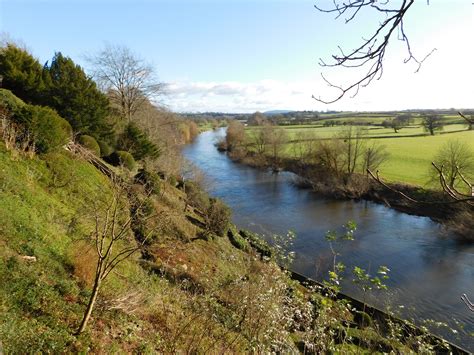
point(238, 97)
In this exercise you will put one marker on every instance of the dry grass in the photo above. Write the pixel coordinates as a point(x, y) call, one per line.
point(84, 257)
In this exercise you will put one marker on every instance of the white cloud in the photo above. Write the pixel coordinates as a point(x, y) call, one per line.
point(239, 97)
point(441, 83)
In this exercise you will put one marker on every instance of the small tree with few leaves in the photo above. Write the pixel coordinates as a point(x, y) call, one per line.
point(457, 162)
point(113, 240)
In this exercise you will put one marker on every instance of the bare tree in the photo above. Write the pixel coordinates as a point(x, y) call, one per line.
point(454, 192)
point(455, 196)
point(397, 123)
point(370, 54)
point(112, 231)
point(304, 146)
point(373, 156)
point(432, 123)
point(456, 160)
point(330, 155)
point(469, 120)
point(276, 138)
point(259, 139)
point(258, 119)
point(235, 135)
point(127, 79)
point(353, 139)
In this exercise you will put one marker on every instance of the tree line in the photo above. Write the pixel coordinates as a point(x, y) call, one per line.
point(111, 112)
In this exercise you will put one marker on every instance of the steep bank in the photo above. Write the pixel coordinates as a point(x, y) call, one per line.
point(188, 290)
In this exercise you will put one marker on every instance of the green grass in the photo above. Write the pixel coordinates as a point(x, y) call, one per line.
point(410, 158)
point(34, 220)
point(410, 150)
point(193, 293)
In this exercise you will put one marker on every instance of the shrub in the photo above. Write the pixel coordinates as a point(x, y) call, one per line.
point(137, 143)
point(172, 180)
point(151, 181)
point(121, 157)
point(217, 217)
point(49, 131)
point(105, 149)
point(197, 197)
point(9, 101)
point(90, 143)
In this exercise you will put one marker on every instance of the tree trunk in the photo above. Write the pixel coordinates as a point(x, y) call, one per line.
point(90, 306)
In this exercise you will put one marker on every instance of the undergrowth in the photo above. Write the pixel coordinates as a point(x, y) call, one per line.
point(183, 293)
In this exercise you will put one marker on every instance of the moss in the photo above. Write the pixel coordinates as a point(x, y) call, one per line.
point(236, 239)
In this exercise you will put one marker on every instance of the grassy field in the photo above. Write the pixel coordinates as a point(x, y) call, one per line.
point(410, 150)
point(410, 157)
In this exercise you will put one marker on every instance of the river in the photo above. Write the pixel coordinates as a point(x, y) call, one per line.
point(429, 269)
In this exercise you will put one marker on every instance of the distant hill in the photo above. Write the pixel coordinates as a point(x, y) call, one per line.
point(277, 112)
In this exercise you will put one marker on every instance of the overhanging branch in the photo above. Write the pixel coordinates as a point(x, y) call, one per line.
point(370, 54)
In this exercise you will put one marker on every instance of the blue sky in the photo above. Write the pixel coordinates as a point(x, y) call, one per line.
point(243, 56)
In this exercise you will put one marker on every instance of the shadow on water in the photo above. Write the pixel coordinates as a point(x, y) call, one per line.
point(429, 270)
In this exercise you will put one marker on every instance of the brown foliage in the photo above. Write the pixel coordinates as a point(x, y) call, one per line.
point(83, 257)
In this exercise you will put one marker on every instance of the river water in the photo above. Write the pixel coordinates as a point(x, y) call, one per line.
point(429, 269)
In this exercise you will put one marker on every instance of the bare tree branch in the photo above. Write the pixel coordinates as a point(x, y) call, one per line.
point(456, 198)
point(110, 233)
point(370, 54)
point(469, 120)
point(127, 79)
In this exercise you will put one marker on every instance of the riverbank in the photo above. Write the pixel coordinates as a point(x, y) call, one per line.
point(429, 270)
point(190, 288)
point(414, 200)
point(364, 316)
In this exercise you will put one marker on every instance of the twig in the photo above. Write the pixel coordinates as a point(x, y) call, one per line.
point(370, 54)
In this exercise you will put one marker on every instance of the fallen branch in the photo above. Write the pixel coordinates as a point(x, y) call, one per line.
point(452, 194)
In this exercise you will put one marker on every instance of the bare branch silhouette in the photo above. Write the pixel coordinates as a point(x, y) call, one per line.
point(453, 193)
point(371, 53)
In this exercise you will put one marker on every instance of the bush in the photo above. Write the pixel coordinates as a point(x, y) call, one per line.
point(90, 143)
point(121, 157)
point(217, 217)
point(151, 181)
point(197, 197)
point(105, 149)
point(137, 143)
point(9, 101)
point(48, 130)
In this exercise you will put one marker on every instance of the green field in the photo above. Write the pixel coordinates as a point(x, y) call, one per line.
point(410, 150)
point(410, 158)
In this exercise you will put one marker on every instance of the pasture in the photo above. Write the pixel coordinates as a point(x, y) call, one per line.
point(411, 150)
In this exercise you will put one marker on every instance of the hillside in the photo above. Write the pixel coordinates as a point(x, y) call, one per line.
point(188, 290)
point(107, 246)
